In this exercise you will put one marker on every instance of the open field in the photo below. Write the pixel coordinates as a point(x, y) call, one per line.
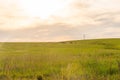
point(70, 60)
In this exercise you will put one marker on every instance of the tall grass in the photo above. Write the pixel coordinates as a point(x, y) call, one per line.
point(74, 60)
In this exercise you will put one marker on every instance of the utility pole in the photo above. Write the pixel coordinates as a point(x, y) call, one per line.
point(84, 36)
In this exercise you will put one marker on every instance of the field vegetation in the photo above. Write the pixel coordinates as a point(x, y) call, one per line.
point(70, 60)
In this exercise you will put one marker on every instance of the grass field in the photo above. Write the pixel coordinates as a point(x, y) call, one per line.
point(70, 60)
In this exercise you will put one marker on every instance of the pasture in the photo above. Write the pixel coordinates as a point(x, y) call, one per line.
point(70, 60)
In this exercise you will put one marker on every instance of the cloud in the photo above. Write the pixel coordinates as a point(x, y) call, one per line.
point(79, 4)
point(95, 18)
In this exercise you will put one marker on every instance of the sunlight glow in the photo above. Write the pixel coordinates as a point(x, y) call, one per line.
point(42, 8)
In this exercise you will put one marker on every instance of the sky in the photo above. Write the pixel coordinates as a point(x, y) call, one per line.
point(58, 20)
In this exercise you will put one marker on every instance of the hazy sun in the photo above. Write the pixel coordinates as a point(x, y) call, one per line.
point(42, 8)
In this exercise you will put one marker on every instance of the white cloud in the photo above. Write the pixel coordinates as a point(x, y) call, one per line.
point(97, 18)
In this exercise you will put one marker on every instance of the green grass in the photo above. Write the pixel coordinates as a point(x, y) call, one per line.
point(70, 60)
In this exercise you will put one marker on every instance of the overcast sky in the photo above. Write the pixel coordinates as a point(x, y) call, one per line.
point(58, 20)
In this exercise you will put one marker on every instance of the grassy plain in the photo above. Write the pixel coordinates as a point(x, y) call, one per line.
point(71, 60)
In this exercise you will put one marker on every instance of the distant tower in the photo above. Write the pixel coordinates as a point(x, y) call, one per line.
point(84, 36)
